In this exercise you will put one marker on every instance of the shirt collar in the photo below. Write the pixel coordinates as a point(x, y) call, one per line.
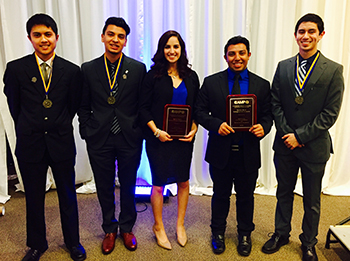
point(231, 74)
point(309, 60)
point(115, 63)
point(48, 62)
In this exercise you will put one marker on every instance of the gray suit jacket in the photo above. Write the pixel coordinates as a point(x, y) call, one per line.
point(311, 120)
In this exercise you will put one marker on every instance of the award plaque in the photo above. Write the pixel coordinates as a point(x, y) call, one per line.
point(177, 120)
point(241, 111)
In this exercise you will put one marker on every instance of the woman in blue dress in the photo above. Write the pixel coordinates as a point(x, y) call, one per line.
point(170, 81)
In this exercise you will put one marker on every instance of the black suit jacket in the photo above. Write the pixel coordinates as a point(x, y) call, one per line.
point(310, 121)
point(38, 128)
point(157, 92)
point(96, 115)
point(211, 113)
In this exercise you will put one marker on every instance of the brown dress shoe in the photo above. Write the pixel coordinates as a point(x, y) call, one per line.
point(129, 241)
point(108, 243)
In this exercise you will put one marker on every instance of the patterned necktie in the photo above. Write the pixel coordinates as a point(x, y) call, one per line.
point(115, 129)
point(44, 72)
point(302, 74)
point(236, 88)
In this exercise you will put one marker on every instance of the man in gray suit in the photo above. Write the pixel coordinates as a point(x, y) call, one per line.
point(307, 93)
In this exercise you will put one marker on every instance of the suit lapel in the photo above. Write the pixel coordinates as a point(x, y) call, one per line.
point(123, 76)
point(316, 74)
point(223, 83)
point(102, 74)
point(57, 72)
point(290, 69)
point(33, 73)
point(252, 86)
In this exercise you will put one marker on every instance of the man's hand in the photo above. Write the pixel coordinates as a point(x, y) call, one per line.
point(225, 129)
point(291, 142)
point(257, 130)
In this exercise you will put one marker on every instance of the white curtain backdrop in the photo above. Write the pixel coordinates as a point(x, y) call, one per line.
point(205, 25)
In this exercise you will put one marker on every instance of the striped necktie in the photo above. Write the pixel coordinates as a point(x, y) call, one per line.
point(115, 129)
point(302, 74)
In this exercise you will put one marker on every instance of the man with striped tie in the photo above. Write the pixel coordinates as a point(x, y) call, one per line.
point(307, 92)
point(108, 119)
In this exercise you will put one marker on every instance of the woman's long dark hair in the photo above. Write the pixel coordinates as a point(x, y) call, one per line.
point(161, 63)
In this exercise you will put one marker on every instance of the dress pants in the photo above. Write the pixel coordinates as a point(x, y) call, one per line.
point(244, 184)
point(287, 168)
point(34, 180)
point(103, 162)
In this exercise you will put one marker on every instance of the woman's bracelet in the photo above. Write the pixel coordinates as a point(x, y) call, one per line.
point(157, 133)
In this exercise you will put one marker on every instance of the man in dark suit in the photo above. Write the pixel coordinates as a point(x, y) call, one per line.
point(307, 92)
point(108, 119)
point(43, 93)
point(234, 157)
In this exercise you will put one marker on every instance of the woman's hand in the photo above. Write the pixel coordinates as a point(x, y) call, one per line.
point(164, 136)
point(189, 137)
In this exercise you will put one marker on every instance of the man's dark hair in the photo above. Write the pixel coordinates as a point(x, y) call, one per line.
point(39, 19)
point(117, 21)
point(237, 40)
point(311, 18)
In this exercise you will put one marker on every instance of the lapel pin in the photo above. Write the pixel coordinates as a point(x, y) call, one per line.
point(34, 79)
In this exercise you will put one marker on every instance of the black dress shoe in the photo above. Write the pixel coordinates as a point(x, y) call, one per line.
point(218, 243)
point(274, 243)
point(32, 255)
point(244, 245)
point(309, 253)
point(77, 253)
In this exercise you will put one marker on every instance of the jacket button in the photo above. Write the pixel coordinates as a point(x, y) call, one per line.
point(46, 118)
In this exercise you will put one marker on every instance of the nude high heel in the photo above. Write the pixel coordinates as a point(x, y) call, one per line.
point(164, 244)
point(181, 240)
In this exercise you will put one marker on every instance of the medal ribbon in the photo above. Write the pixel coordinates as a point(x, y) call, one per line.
point(117, 71)
point(46, 87)
point(301, 84)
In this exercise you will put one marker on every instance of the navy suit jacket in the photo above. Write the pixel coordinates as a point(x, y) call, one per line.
point(96, 115)
point(39, 128)
point(311, 120)
point(210, 112)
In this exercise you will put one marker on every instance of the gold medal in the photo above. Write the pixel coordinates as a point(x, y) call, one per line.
point(299, 100)
point(111, 100)
point(47, 103)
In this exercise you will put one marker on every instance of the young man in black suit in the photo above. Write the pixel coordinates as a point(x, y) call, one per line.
point(234, 157)
point(304, 105)
point(108, 119)
point(43, 93)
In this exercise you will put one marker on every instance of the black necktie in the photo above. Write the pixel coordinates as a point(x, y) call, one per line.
point(115, 129)
point(236, 89)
